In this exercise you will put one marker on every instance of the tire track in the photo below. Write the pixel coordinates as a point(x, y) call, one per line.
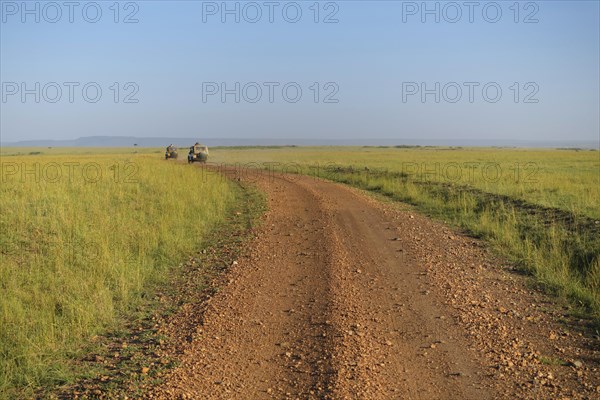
point(336, 298)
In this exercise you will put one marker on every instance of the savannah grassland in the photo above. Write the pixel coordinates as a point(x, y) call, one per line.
point(87, 234)
point(85, 238)
point(540, 209)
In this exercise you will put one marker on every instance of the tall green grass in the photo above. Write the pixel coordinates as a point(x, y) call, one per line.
point(565, 179)
point(83, 239)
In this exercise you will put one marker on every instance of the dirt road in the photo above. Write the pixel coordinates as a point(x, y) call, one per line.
point(341, 296)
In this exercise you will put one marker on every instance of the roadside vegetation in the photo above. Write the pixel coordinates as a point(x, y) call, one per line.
point(538, 208)
point(84, 240)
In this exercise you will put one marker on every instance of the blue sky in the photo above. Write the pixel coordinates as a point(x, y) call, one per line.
point(366, 66)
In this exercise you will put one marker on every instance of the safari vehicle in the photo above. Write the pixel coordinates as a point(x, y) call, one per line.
point(171, 152)
point(198, 152)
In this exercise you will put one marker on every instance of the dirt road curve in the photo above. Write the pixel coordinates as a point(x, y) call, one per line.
point(343, 297)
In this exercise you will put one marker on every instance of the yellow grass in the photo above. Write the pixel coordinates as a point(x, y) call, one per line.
point(83, 238)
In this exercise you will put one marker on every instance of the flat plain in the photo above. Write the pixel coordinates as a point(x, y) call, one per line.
point(356, 235)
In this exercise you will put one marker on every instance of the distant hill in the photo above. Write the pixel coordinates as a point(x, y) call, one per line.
point(105, 141)
point(131, 141)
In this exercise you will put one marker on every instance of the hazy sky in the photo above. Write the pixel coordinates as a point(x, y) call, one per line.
point(365, 69)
